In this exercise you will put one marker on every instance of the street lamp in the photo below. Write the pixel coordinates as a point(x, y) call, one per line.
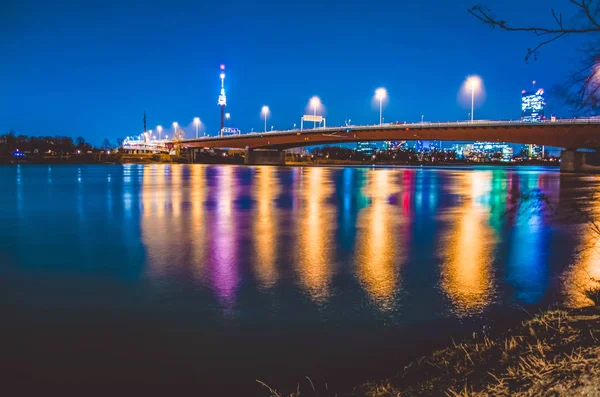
point(473, 82)
point(197, 124)
point(159, 129)
point(380, 94)
point(315, 102)
point(265, 112)
point(175, 125)
point(150, 134)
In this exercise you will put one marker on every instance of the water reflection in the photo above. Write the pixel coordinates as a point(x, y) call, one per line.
point(585, 271)
point(159, 232)
point(209, 224)
point(315, 224)
point(264, 231)
point(224, 247)
point(198, 220)
point(468, 246)
point(528, 245)
point(378, 252)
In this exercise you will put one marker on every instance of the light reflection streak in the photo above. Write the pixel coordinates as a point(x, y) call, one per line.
point(377, 241)
point(198, 232)
point(315, 230)
point(264, 231)
point(225, 275)
point(159, 234)
point(19, 190)
point(527, 251)
point(585, 273)
point(175, 240)
point(468, 247)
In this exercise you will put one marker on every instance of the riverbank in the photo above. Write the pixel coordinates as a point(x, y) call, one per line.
point(556, 352)
point(120, 158)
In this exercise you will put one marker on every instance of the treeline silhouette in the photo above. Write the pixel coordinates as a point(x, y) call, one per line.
point(52, 145)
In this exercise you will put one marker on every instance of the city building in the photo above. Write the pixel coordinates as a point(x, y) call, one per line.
point(367, 148)
point(533, 151)
point(488, 151)
point(533, 104)
point(435, 145)
point(398, 145)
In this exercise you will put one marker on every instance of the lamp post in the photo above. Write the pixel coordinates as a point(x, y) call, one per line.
point(227, 117)
point(473, 82)
point(380, 94)
point(159, 129)
point(175, 125)
point(315, 102)
point(265, 112)
point(197, 124)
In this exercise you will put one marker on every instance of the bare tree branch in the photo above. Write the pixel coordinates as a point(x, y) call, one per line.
point(485, 15)
point(582, 92)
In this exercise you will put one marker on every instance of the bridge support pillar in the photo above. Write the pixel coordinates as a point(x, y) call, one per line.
point(573, 161)
point(264, 157)
point(193, 155)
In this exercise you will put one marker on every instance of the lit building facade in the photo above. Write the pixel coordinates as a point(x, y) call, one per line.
point(486, 151)
point(366, 147)
point(533, 104)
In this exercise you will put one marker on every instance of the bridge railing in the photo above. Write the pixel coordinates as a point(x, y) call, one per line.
point(424, 125)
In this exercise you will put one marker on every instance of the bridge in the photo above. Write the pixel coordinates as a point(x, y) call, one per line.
point(570, 134)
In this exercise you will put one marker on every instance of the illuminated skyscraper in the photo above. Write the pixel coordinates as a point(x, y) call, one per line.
point(533, 104)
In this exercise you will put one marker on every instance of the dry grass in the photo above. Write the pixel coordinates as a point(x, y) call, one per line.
point(592, 292)
point(555, 353)
point(551, 354)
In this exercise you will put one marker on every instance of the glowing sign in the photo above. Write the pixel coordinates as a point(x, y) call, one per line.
point(310, 117)
point(228, 130)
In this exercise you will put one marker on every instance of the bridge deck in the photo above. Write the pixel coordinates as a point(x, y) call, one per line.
point(566, 133)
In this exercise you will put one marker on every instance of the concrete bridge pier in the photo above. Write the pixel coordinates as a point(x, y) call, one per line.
point(573, 161)
point(264, 157)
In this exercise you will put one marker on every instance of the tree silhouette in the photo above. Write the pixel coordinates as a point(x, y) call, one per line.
point(582, 90)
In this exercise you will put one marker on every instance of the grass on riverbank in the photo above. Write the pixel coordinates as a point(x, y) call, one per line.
point(555, 353)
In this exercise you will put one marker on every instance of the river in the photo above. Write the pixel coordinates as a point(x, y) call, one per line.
point(198, 280)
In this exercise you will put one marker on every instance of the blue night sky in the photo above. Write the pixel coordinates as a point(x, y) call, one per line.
point(91, 68)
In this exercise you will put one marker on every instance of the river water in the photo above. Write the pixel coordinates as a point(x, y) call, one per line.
point(198, 280)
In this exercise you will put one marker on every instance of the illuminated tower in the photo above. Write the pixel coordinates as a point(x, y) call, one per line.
point(222, 98)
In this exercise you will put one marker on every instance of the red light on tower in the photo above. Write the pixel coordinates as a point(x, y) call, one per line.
point(222, 67)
